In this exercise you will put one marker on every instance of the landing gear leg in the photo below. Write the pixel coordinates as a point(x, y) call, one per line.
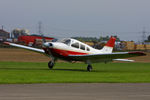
point(89, 68)
point(51, 64)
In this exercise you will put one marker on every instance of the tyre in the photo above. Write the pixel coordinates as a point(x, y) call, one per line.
point(50, 65)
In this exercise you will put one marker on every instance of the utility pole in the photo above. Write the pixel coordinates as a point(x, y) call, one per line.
point(40, 27)
point(2, 27)
point(143, 35)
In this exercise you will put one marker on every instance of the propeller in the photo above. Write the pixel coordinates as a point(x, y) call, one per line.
point(47, 45)
point(43, 39)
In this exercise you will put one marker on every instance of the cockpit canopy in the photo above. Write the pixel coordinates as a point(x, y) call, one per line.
point(66, 41)
point(75, 44)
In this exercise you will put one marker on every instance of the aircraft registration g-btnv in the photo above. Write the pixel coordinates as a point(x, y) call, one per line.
point(74, 50)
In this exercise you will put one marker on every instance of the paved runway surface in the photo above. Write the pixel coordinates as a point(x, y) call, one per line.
point(94, 91)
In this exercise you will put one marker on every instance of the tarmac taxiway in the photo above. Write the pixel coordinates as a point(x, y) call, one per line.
point(76, 91)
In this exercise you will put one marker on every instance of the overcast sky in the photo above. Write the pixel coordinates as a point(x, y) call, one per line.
point(67, 18)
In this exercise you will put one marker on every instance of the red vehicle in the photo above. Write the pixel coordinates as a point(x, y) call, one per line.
point(31, 39)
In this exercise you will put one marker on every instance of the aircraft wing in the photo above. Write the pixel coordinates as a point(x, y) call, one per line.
point(93, 58)
point(25, 47)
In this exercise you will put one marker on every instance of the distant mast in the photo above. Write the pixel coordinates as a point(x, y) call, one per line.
point(143, 35)
point(2, 27)
point(40, 27)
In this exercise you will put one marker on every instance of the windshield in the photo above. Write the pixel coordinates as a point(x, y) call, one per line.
point(66, 41)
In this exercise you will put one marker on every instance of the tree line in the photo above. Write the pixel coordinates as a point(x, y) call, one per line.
point(96, 39)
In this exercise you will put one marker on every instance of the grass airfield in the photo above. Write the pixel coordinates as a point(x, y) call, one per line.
point(23, 66)
point(33, 72)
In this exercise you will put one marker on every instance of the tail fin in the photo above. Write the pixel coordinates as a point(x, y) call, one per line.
point(108, 48)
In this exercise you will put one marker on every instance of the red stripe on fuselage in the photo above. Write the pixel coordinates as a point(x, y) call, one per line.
point(65, 52)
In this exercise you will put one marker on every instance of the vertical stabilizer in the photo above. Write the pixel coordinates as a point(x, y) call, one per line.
point(108, 48)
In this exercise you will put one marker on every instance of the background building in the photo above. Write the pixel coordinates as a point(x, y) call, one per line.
point(19, 32)
point(4, 35)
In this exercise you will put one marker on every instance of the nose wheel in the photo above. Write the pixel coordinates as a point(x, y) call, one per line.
point(51, 64)
point(89, 68)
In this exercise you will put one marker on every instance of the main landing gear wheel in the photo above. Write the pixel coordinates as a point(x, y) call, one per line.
point(89, 68)
point(51, 65)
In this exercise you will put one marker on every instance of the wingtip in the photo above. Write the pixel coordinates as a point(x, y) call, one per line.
point(6, 43)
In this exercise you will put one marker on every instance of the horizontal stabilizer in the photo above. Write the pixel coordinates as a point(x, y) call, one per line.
point(127, 60)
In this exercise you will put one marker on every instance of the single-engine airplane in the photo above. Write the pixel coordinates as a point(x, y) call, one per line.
point(73, 50)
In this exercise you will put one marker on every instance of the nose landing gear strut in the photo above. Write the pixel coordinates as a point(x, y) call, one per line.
point(89, 68)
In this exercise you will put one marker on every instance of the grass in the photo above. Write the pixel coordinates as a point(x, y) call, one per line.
point(21, 72)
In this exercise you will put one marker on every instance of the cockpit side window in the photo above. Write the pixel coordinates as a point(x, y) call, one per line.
point(88, 49)
point(82, 47)
point(76, 45)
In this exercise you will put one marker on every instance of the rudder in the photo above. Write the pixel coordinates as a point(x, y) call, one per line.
point(108, 48)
